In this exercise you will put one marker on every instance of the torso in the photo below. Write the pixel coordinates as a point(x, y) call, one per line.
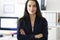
point(32, 24)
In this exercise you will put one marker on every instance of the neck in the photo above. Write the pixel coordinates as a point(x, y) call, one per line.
point(32, 17)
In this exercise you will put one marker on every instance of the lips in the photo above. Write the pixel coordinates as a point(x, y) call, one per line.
point(32, 11)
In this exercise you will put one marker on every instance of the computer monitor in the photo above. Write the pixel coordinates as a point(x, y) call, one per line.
point(8, 23)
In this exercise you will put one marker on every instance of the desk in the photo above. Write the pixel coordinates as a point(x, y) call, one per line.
point(8, 38)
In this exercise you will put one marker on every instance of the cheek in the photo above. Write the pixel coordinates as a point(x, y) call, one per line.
point(35, 9)
point(28, 9)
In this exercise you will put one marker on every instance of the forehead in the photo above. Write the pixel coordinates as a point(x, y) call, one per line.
point(31, 3)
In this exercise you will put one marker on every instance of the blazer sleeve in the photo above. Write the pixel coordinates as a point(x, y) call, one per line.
point(19, 36)
point(45, 29)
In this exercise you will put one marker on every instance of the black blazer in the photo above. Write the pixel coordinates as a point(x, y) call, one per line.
point(40, 26)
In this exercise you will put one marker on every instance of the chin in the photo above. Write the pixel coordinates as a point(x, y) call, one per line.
point(32, 13)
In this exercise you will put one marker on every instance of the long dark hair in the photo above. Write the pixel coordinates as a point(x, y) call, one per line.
point(26, 14)
point(38, 12)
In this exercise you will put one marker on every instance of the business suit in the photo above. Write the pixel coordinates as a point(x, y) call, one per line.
point(40, 26)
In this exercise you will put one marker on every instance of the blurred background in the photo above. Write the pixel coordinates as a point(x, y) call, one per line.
point(12, 10)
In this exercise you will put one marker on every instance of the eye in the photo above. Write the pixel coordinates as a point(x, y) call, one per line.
point(29, 5)
point(34, 5)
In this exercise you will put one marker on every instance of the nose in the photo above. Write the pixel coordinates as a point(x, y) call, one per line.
point(31, 8)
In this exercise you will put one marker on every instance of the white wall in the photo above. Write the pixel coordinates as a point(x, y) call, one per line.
point(53, 5)
point(17, 8)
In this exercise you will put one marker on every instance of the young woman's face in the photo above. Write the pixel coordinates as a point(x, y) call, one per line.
point(31, 7)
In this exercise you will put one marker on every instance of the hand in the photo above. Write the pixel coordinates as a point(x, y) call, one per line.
point(38, 35)
point(22, 32)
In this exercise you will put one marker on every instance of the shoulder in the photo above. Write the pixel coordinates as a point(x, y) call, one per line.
point(44, 21)
point(41, 19)
point(21, 20)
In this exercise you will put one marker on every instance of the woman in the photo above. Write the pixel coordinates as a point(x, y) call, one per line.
point(32, 26)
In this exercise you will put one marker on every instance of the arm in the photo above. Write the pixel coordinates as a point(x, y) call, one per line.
point(35, 36)
point(22, 32)
point(19, 36)
point(45, 29)
point(44, 34)
point(38, 35)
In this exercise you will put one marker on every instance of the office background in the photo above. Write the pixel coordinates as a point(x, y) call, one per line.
point(15, 8)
